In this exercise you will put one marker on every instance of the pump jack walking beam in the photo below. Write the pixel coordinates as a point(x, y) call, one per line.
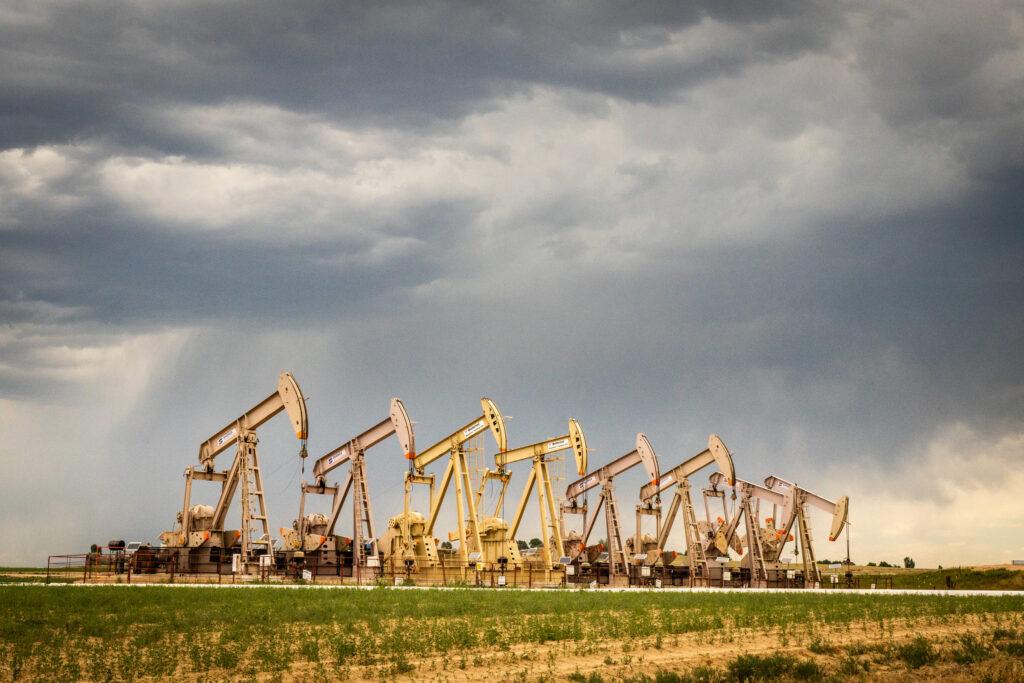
point(798, 514)
point(452, 446)
point(716, 452)
point(551, 531)
point(244, 469)
point(352, 451)
point(604, 477)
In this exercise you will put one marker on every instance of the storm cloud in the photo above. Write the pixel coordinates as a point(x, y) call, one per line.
point(798, 225)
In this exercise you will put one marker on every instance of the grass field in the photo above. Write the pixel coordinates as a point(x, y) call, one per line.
point(962, 578)
point(111, 633)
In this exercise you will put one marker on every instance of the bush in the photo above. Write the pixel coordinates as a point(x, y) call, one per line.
point(917, 653)
point(971, 650)
point(850, 666)
point(808, 670)
point(821, 647)
point(577, 677)
point(758, 668)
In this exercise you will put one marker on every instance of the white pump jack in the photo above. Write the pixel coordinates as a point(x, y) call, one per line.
point(682, 501)
point(604, 477)
point(310, 533)
point(797, 513)
point(202, 526)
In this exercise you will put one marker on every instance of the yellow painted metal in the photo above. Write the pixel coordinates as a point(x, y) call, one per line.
point(457, 471)
point(550, 525)
point(491, 418)
point(579, 446)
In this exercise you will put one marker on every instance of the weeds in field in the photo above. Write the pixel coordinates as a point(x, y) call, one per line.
point(970, 650)
point(67, 632)
point(917, 653)
point(821, 647)
point(760, 668)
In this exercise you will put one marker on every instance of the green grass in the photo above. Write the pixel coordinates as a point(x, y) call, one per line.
point(962, 579)
point(123, 633)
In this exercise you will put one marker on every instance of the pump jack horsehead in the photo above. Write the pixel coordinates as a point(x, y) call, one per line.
point(200, 528)
point(682, 502)
point(499, 537)
point(410, 536)
point(604, 477)
point(314, 533)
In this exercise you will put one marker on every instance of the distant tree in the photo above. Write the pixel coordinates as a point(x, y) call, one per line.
point(447, 545)
point(883, 563)
point(908, 562)
point(523, 545)
point(536, 543)
point(872, 564)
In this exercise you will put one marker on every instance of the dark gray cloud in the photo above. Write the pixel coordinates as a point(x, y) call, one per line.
point(792, 224)
point(102, 69)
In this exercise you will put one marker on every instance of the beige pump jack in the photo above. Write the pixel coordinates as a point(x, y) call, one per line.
point(202, 526)
point(410, 537)
point(682, 501)
point(604, 477)
point(726, 536)
point(797, 512)
point(311, 532)
point(539, 479)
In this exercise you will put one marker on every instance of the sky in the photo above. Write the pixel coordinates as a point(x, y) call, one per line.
point(798, 225)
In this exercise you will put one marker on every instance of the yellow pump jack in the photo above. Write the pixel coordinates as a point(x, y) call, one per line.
point(315, 532)
point(410, 536)
point(200, 528)
point(498, 536)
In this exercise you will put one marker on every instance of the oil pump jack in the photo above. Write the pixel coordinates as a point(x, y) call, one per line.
point(200, 528)
point(604, 477)
point(410, 536)
point(747, 511)
point(798, 513)
point(682, 502)
point(313, 534)
point(498, 536)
